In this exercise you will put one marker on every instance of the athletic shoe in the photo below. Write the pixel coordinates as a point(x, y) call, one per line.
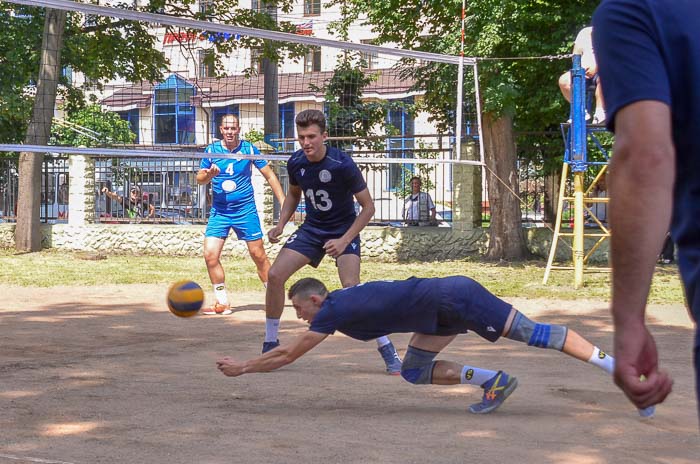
point(218, 308)
point(391, 359)
point(267, 346)
point(496, 390)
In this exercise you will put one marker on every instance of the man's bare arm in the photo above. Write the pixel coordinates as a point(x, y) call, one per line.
point(274, 359)
point(274, 182)
point(641, 188)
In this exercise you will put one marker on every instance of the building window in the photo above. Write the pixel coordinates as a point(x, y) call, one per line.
point(174, 113)
point(132, 116)
point(370, 59)
point(206, 66)
point(257, 5)
point(216, 117)
point(287, 126)
point(256, 59)
point(312, 7)
point(312, 60)
point(206, 8)
point(401, 143)
point(67, 73)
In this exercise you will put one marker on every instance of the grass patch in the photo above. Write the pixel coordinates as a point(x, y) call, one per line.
point(51, 268)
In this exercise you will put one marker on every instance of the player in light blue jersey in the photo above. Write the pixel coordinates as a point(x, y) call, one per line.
point(436, 310)
point(330, 182)
point(233, 206)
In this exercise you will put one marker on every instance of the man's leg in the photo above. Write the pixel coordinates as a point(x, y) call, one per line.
point(349, 274)
point(557, 337)
point(561, 338)
point(565, 85)
point(212, 257)
point(257, 253)
point(419, 367)
point(287, 263)
point(599, 115)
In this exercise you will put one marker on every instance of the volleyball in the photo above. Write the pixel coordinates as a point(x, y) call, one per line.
point(185, 298)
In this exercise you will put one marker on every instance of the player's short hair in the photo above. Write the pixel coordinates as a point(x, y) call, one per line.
point(306, 287)
point(230, 115)
point(309, 117)
point(415, 178)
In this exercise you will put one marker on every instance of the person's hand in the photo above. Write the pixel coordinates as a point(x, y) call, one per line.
point(229, 367)
point(274, 234)
point(213, 171)
point(636, 366)
point(335, 247)
point(105, 190)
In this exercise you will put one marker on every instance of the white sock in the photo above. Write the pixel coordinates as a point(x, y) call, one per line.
point(603, 360)
point(272, 327)
point(220, 293)
point(476, 375)
point(381, 341)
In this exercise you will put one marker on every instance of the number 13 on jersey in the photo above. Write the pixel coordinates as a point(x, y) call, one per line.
point(319, 199)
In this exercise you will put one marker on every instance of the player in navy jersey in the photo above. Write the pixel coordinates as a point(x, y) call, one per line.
point(330, 182)
point(649, 62)
point(436, 310)
point(233, 206)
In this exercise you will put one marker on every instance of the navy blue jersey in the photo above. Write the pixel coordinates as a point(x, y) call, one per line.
point(328, 187)
point(232, 187)
point(650, 50)
point(437, 306)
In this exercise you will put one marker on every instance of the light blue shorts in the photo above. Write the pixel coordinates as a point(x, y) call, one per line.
point(246, 225)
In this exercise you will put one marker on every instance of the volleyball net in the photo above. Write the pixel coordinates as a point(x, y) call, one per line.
point(134, 81)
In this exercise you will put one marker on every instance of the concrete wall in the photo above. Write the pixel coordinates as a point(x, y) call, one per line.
point(387, 244)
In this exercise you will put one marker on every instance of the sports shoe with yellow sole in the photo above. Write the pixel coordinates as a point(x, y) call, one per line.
point(496, 390)
point(218, 309)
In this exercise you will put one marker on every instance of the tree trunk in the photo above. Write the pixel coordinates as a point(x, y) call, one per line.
point(506, 239)
point(551, 196)
point(28, 230)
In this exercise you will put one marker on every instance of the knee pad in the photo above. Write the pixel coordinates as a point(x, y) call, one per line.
point(417, 366)
point(536, 334)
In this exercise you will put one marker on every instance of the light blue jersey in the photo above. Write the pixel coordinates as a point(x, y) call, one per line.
point(232, 188)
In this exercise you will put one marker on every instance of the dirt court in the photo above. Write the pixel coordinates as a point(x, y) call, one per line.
point(108, 375)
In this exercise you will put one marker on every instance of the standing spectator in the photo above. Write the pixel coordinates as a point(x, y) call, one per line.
point(419, 209)
point(233, 206)
point(649, 55)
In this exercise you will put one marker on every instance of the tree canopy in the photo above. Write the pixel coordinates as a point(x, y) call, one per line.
point(494, 30)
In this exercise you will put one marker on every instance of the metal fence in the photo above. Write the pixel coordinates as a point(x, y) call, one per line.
point(167, 192)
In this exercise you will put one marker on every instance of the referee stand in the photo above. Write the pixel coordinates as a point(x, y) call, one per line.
point(576, 133)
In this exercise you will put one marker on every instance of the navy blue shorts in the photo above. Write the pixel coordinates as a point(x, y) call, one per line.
point(309, 242)
point(467, 305)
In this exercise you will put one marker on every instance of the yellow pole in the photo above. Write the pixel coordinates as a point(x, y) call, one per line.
point(578, 230)
point(557, 224)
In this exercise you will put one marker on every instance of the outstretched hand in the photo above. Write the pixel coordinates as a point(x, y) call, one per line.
point(636, 367)
point(229, 367)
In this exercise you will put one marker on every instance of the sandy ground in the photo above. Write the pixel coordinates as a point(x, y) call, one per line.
point(108, 375)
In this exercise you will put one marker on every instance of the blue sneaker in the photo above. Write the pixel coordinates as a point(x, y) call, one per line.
point(267, 346)
point(391, 359)
point(496, 390)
